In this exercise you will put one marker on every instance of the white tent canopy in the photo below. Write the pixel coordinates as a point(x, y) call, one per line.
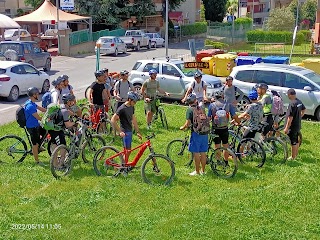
point(7, 22)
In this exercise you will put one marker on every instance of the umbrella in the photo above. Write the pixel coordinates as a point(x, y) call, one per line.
point(7, 22)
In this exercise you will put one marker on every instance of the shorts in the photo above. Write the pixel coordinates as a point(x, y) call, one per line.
point(151, 106)
point(198, 143)
point(269, 119)
point(58, 137)
point(294, 136)
point(223, 136)
point(127, 140)
point(35, 134)
point(248, 133)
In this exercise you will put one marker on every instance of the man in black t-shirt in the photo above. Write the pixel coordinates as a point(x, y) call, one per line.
point(98, 92)
point(295, 112)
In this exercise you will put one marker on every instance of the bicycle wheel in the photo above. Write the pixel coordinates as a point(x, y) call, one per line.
point(234, 140)
point(86, 93)
point(177, 151)
point(85, 112)
point(220, 167)
point(13, 148)
point(90, 146)
point(251, 152)
point(275, 149)
point(99, 161)
point(60, 161)
point(106, 131)
point(163, 118)
point(158, 169)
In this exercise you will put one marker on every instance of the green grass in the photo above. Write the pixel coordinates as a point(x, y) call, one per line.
point(275, 202)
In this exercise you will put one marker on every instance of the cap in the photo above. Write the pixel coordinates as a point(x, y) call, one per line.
point(291, 91)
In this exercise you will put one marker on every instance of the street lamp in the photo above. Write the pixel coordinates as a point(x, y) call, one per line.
point(167, 27)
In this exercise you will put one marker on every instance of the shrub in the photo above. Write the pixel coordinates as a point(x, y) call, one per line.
point(193, 29)
point(215, 45)
point(244, 21)
point(258, 36)
point(307, 35)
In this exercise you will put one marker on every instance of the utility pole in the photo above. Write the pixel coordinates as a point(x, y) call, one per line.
point(167, 27)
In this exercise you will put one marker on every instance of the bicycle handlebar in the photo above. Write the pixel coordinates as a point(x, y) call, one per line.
point(150, 136)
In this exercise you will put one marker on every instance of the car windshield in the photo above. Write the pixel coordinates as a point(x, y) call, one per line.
point(150, 35)
point(9, 32)
point(189, 72)
point(104, 40)
point(13, 46)
point(313, 77)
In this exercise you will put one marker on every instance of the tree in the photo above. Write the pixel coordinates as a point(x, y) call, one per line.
point(281, 19)
point(215, 10)
point(293, 8)
point(309, 11)
point(36, 3)
point(232, 6)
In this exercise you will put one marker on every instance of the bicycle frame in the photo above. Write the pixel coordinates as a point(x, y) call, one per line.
point(42, 140)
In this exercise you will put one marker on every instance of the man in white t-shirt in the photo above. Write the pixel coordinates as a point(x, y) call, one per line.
point(199, 88)
point(56, 91)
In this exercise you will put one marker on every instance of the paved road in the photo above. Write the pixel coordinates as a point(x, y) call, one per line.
point(80, 70)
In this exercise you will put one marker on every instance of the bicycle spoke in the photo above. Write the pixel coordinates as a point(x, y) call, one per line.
point(90, 147)
point(276, 150)
point(177, 151)
point(251, 153)
point(12, 149)
point(223, 162)
point(60, 161)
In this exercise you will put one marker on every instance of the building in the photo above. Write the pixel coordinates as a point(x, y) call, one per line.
point(10, 7)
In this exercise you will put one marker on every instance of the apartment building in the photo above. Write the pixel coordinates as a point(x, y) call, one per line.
point(10, 7)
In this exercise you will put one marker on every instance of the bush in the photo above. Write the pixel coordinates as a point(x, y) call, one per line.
point(193, 29)
point(306, 34)
point(259, 36)
point(244, 21)
point(215, 45)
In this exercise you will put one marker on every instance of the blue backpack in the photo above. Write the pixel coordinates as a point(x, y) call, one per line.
point(46, 99)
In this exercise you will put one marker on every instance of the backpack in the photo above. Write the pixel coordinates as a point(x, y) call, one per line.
point(21, 117)
point(200, 123)
point(130, 85)
point(277, 105)
point(46, 99)
point(50, 117)
point(194, 84)
point(221, 118)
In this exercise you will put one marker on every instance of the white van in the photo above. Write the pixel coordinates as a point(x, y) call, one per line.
point(13, 34)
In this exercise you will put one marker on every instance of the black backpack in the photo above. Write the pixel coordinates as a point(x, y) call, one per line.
point(21, 117)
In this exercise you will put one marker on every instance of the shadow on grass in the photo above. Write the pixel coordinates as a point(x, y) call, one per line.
point(81, 170)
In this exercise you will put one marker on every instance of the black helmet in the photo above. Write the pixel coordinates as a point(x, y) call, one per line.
point(218, 94)
point(124, 72)
point(197, 74)
point(32, 91)
point(68, 97)
point(104, 70)
point(262, 85)
point(191, 98)
point(98, 73)
point(64, 77)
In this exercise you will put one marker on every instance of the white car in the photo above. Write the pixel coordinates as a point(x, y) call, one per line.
point(111, 45)
point(17, 77)
point(13, 34)
point(156, 40)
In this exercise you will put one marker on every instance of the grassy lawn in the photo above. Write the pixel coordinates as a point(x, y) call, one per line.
point(274, 202)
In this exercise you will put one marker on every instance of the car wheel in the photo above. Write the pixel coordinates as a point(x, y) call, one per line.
point(125, 50)
point(45, 86)
point(47, 67)
point(163, 44)
point(154, 44)
point(116, 52)
point(149, 45)
point(138, 87)
point(138, 46)
point(14, 94)
point(241, 106)
point(317, 114)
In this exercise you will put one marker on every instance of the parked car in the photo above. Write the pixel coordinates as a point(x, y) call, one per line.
point(17, 77)
point(135, 39)
point(156, 39)
point(111, 45)
point(172, 76)
point(13, 34)
point(281, 77)
point(26, 51)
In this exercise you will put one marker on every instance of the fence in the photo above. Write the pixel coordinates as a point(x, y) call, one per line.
point(224, 34)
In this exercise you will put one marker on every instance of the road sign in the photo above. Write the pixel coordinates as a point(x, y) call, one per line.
point(196, 65)
point(67, 4)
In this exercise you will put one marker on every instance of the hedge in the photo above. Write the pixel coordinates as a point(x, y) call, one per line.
point(215, 45)
point(193, 29)
point(259, 36)
point(307, 35)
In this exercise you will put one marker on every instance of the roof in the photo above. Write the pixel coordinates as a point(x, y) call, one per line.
point(7, 22)
point(271, 66)
point(47, 12)
point(6, 64)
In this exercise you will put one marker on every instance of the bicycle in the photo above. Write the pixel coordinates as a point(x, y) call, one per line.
point(177, 149)
point(156, 168)
point(15, 147)
point(82, 142)
point(160, 112)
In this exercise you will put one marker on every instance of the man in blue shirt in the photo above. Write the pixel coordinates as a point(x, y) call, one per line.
point(32, 121)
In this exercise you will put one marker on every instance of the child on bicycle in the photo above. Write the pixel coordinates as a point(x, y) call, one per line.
point(32, 121)
point(198, 142)
point(125, 114)
point(122, 87)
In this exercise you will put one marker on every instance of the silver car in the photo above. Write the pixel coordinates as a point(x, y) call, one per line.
point(111, 45)
point(281, 77)
point(172, 76)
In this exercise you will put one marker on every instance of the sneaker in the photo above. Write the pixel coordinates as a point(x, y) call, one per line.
point(202, 173)
point(290, 159)
point(194, 173)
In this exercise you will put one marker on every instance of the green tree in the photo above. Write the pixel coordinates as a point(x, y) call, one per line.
point(293, 8)
point(36, 3)
point(202, 13)
point(215, 10)
point(281, 19)
point(309, 11)
point(232, 6)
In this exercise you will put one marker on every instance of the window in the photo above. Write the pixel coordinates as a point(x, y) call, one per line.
point(150, 66)
point(136, 66)
point(27, 48)
point(245, 76)
point(30, 70)
point(2, 71)
point(36, 48)
point(18, 70)
point(170, 70)
point(268, 77)
point(296, 82)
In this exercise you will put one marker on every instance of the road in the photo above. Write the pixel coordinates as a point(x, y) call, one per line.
point(80, 69)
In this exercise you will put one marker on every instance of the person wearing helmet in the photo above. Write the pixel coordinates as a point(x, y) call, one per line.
point(254, 113)
point(109, 85)
point(97, 91)
point(198, 142)
point(67, 88)
point(198, 87)
point(56, 91)
point(266, 100)
point(122, 87)
point(219, 113)
point(149, 92)
point(32, 121)
point(232, 94)
point(125, 114)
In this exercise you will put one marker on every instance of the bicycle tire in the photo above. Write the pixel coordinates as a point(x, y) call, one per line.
point(85, 111)
point(86, 93)
point(276, 148)
point(12, 146)
point(106, 131)
point(163, 118)
point(100, 167)
point(156, 172)
point(65, 167)
point(234, 140)
point(177, 151)
point(89, 147)
point(251, 152)
point(219, 166)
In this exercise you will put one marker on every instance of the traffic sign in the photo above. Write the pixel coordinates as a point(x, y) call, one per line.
point(196, 65)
